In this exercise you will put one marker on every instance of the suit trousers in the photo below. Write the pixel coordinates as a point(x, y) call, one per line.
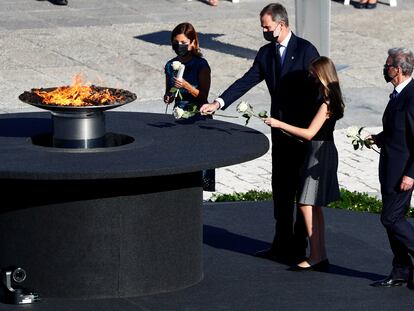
point(288, 156)
point(400, 231)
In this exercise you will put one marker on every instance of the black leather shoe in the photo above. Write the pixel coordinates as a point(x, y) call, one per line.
point(320, 266)
point(59, 2)
point(390, 282)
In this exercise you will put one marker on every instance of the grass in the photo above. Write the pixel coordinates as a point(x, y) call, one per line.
point(350, 200)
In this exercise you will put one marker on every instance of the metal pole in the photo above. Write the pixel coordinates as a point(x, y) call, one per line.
point(313, 19)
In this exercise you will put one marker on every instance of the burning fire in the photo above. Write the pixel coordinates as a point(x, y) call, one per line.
point(78, 95)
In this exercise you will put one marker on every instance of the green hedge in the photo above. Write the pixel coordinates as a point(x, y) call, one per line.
point(251, 195)
point(354, 201)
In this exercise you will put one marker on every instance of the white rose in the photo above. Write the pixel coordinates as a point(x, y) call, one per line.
point(242, 107)
point(178, 113)
point(352, 131)
point(176, 65)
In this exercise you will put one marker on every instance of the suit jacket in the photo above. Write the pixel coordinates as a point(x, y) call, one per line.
point(288, 85)
point(397, 140)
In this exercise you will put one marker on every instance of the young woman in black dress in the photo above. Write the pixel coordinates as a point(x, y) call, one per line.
point(319, 181)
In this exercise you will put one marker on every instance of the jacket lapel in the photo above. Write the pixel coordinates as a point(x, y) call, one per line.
point(396, 103)
point(406, 91)
point(289, 58)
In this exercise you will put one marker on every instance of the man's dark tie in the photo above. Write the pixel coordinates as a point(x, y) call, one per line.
point(280, 58)
point(393, 95)
point(278, 69)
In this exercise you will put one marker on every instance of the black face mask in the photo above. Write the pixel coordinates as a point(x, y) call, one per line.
point(387, 77)
point(269, 36)
point(180, 49)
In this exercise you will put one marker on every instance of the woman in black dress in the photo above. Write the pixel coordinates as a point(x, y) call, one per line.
point(319, 181)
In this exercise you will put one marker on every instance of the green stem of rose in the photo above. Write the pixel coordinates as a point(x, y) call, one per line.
point(224, 116)
point(257, 116)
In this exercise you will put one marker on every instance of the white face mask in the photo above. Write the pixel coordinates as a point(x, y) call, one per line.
point(276, 33)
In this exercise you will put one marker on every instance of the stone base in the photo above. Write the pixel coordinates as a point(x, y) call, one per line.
point(104, 238)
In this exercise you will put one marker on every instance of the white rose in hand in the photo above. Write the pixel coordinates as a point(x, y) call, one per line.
point(176, 65)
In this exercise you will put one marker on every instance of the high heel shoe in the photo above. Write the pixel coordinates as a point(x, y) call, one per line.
point(320, 266)
point(371, 5)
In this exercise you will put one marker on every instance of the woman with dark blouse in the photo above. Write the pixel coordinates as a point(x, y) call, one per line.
point(194, 86)
point(319, 181)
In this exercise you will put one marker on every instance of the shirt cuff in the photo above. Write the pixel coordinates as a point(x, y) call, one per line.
point(220, 101)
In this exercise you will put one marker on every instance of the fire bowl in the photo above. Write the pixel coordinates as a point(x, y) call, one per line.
point(79, 127)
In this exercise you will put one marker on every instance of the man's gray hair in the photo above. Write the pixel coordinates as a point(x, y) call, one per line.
point(277, 11)
point(403, 58)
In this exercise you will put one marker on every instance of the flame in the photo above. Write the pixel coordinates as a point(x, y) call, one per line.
point(78, 94)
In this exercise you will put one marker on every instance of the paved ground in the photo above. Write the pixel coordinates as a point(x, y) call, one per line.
point(236, 280)
point(124, 43)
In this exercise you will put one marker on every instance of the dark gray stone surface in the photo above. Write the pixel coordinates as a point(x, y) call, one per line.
point(104, 238)
point(162, 146)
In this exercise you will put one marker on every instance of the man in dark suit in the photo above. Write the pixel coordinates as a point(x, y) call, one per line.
point(283, 64)
point(396, 166)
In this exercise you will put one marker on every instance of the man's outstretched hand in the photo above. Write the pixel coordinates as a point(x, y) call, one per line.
point(207, 109)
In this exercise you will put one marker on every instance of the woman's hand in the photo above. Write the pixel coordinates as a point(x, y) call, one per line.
point(272, 122)
point(168, 98)
point(181, 83)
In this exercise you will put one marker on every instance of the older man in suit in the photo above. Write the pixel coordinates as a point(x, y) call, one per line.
point(283, 64)
point(396, 167)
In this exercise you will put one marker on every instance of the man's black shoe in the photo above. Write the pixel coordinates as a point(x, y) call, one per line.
point(390, 282)
point(59, 2)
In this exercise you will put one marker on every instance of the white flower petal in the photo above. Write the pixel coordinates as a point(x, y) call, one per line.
point(242, 106)
point(178, 113)
point(176, 65)
point(352, 131)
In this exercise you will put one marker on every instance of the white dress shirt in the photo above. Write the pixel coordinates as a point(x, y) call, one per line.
point(402, 85)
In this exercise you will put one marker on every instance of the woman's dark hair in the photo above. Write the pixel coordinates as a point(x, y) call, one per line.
point(188, 30)
point(324, 69)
